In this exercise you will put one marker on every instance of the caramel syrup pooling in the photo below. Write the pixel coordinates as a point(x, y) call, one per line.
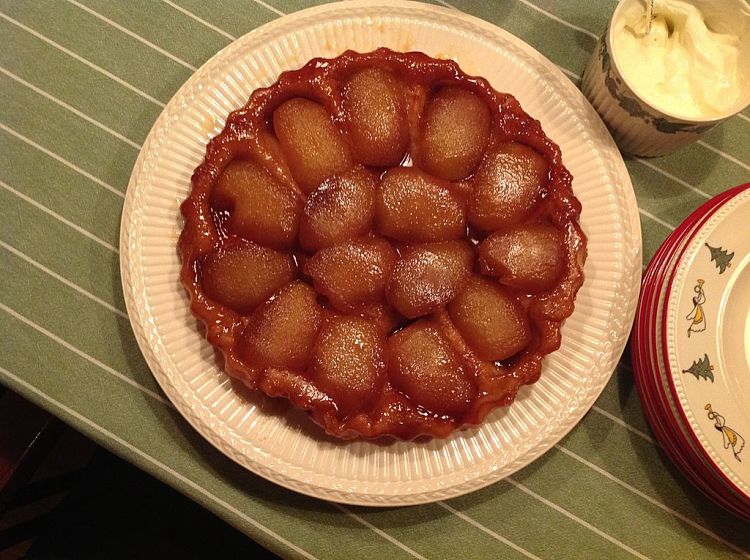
point(390, 244)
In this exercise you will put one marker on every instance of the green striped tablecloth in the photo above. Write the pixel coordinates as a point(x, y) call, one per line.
point(81, 83)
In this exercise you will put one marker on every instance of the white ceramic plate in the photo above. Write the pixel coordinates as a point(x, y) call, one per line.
point(708, 339)
point(282, 447)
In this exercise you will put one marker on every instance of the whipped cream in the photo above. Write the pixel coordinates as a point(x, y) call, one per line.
point(681, 67)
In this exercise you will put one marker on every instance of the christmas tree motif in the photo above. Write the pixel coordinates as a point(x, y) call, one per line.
point(701, 368)
point(731, 437)
point(722, 258)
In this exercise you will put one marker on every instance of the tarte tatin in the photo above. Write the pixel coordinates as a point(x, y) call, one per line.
point(385, 241)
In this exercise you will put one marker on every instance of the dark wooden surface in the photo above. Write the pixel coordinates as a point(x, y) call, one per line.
point(26, 435)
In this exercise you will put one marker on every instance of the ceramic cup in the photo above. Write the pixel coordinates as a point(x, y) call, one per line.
point(637, 126)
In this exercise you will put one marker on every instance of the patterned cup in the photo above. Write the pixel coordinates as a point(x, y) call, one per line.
point(637, 126)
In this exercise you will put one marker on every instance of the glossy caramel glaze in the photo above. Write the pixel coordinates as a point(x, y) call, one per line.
point(342, 134)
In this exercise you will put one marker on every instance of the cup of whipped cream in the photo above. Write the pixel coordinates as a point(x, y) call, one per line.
point(659, 89)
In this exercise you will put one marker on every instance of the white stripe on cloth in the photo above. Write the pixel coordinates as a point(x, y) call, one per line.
point(134, 35)
point(60, 218)
point(82, 60)
point(62, 160)
point(70, 108)
point(155, 462)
